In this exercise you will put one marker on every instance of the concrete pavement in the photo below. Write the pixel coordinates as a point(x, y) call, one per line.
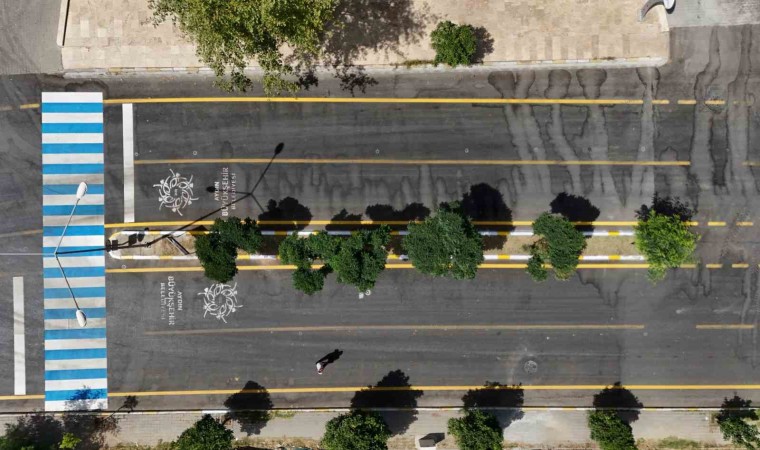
point(527, 429)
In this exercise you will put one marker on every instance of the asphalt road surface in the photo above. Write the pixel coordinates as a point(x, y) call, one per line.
point(689, 341)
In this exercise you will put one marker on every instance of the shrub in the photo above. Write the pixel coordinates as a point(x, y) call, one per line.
point(309, 281)
point(453, 44)
point(665, 241)
point(357, 430)
point(610, 431)
point(361, 258)
point(536, 268)
point(477, 430)
point(445, 244)
point(294, 251)
point(732, 422)
point(560, 244)
point(206, 434)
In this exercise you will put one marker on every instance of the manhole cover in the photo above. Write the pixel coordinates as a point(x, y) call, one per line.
point(530, 367)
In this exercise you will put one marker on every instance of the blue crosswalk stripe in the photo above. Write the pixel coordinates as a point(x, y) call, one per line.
point(74, 357)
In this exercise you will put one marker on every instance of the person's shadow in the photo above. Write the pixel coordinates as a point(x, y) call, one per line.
point(330, 357)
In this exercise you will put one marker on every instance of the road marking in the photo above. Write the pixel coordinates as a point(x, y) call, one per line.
point(687, 102)
point(740, 266)
point(388, 266)
point(339, 328)
point(713, 266)
point(716, 224)
point(20, 233)
point(740, 326)
point(502, 101)
point(180, 223)
point(19, 340)
point(432, 388)
point(437, 162)
point(752, 163)
point(745, 224)
point(524, 387)
point(128, 146)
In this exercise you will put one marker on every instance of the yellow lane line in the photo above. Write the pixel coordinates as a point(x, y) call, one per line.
point(20, 233)
point(388, 266)
point(713, 266)
point(740, 326)
point(687, 102)
point(745, 224)
point(432, 388)
point(339, 328)
point(752, 163)
point(437, 162)
point(29, 106)
point(740, 266)
point(23, 397)
point(503, 101)
point(524, 387)
point(716, 224)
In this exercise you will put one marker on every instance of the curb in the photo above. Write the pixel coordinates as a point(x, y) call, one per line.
point(487, 66)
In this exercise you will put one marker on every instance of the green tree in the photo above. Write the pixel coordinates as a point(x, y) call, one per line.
point(69, 442)
point(294, 251)
point(453, 44)
point(610, 431)
point(732, 420)
point(445, 244)
point(559, 244)
point(206, 434)
point(477, 430)
point(309, 281)
point(217, 250)
point(230, 33)
point(361, 257)
point(357, 430)
point(666, 242)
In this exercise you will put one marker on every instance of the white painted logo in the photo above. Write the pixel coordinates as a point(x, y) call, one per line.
point(220, 300)
point(175, 192)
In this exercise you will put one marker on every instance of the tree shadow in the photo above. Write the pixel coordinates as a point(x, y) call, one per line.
point(81, 422)
point(361, 26)
point(288, 210)
point(668, 206)
point(383, 395)
point(354, 78)
point(496, 396)
point(387, 213)
point(33, 431)
point(250, 408)
point(484, 44)
point(625, 404)
point(737, 407)
point(343, 216)
point(575, 209)
point(484, 203)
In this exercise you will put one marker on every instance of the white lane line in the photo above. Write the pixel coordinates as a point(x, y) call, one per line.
point(129, 162)
point(19, 341)
point(72, 97)
point(72, 158)
point(72, 138)
point(72, 118)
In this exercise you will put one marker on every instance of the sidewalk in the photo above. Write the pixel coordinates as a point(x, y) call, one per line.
point(116, 35)
point(535, 429)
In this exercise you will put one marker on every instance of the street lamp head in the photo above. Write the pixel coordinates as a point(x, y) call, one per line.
point(81, 190)
point(81, 318)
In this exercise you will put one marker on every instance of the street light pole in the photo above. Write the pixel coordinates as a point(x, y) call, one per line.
point(81, 317)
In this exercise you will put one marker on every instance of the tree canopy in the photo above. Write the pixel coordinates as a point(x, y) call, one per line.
point(477, 430)
point(206, 434)
point(357, 430)
point(217, 250)
point(610, 431)
point(445, 244)
point(230, 33)
point(559, 244)
point(453, 44)
point(732, 420)
point(666, 242)
point(357, 259)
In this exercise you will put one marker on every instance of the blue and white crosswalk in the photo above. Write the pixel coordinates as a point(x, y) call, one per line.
point(76, 375)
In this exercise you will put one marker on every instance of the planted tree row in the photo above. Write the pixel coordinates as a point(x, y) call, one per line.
point(445, 244)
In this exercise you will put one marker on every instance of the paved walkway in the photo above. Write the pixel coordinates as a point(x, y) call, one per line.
point(112, 34)
point(529, 429)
